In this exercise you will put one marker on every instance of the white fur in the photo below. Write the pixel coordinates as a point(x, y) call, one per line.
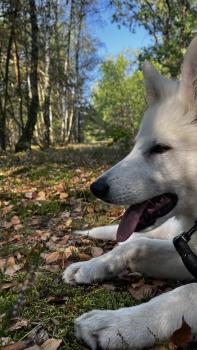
point(138, 177)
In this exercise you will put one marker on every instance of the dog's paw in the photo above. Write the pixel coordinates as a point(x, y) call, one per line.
point(84, 272)
point(112, 330)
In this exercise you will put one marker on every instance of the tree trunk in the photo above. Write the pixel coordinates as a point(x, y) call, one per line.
point(77, 114)
point(4, 110)
point(24, 142)
point(47, 98)
point(18, 79)
point(68, 115)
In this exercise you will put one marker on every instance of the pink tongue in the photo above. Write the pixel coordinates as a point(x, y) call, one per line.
point(129, 221)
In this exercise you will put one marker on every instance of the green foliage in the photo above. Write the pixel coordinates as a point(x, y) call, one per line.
point(118, 99)
point(170, 24)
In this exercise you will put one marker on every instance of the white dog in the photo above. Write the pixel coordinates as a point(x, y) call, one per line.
point(158, 181)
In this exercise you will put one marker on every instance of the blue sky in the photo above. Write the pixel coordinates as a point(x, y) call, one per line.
point(115, 39)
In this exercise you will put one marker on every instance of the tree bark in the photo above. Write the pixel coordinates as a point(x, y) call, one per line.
point(6, 80)
point(24, 142)
point(18, 79)
point(47, 97)
point(68, 114)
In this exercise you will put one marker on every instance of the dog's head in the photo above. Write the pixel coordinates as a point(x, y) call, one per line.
point(159, 176)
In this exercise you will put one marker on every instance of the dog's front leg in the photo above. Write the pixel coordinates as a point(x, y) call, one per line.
point(140, 326)
point(154, 257)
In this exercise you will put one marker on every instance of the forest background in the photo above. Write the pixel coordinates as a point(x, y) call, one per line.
point(49, 55)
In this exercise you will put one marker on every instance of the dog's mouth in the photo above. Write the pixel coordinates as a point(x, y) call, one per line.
point(140, 216)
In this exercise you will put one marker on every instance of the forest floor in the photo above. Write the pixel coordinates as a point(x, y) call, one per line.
point(44, 197)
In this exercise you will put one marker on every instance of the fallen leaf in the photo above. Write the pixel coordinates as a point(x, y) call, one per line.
point(69, 251)
point(20, 345)
point(11, 266)
point(18, 325)
point(56, 299)
point(84, 257)
point(7, 210)
point(51, 257)
point(90, 210)
point(141, 292)
point(63, 195)
point(109, 286)
point(2, 264)
point(50, 268)
point(8, 285)
point(7, 225)
point(51, 344)
point(41, 196)
point(18, 227)
point(15, 238)
point(96, 251)
point(183, 335)
point(15, 220)
point(30, 195)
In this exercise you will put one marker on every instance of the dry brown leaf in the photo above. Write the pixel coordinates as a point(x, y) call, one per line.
point(142, 292)
point(90, 210)
point(96, 251)
point(183, 335)
point(56, 299)
point(41, 196)
point(63, 195)
point(2, 264)
point(138, 284)
point(18, 227)
point(51, 344)
point(50, 268)
point(69, 251)
point(7, 225)
point(51, 257)
point(20, 345)
point(15, 238)
point(7, 210)
point(18, 325)
point(64, 240)
point(30, 195)
point(34, 347)
point(84, 257)
point(11, 266)
point(7, 285)
point(60, 187)
point(15, 220)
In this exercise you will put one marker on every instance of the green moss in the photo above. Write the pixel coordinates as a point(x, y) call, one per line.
point(58, 318)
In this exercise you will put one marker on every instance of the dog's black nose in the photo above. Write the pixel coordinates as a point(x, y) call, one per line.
point(99, 188)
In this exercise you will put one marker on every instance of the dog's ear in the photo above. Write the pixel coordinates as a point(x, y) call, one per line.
point(156, 85)
point(188, 86)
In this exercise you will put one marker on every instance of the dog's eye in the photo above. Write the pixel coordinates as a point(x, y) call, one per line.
point(159, 148)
